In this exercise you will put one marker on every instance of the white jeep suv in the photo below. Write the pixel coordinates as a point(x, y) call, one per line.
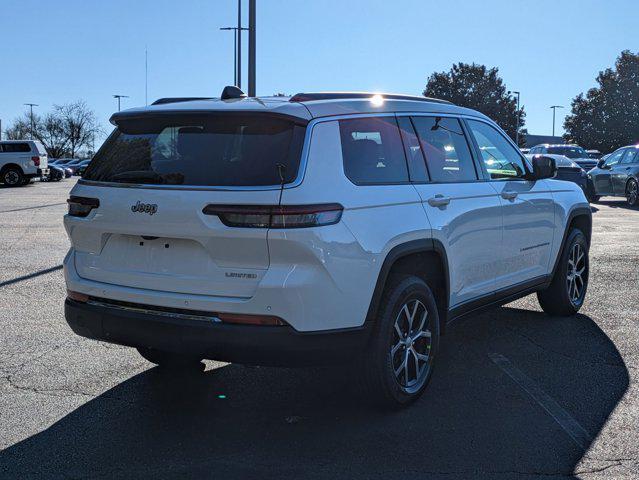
point(319, 228)
point(21, 161)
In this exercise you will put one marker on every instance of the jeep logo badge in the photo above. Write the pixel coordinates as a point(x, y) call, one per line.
point(149, 208)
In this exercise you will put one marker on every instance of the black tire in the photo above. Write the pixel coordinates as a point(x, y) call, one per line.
point(379, 364)
point(170, 360)
point(26, 181)
point(561, 298)
point(632, 192)
point(594, 198)
point(12, 177)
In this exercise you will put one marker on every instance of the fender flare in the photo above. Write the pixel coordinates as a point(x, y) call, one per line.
point(402, 250)
point(574, 213)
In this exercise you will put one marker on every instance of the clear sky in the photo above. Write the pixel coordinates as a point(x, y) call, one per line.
point(64, 50)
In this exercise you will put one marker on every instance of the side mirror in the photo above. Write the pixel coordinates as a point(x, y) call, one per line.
point(600, 163)
point(543, 167)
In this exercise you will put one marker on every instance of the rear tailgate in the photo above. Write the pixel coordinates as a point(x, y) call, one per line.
point(154, 176)
point(159, 239)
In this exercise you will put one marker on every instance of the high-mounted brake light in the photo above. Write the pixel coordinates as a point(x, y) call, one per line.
point(276, 216)
point(82, 206)
point(36, 161)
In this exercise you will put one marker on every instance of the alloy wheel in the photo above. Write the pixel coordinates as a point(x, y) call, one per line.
point(411, 346)
point(575, 279)
point(632, 192)
point(11, 177)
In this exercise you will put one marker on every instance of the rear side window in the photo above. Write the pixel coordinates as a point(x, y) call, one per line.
point(632, 156)
point(372, 150)
point(15, 148)
point(207, 150)
point(445, 148)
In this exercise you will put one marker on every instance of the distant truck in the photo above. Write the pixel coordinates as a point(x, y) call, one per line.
point(21, 161)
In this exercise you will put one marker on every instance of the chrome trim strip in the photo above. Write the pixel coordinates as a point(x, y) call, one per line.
point(150, 311)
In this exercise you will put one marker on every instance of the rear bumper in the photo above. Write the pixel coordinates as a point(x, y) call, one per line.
point(256, 345)
point(40, 172)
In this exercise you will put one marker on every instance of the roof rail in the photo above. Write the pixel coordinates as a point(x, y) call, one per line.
point(162, 101)
point(308, 97)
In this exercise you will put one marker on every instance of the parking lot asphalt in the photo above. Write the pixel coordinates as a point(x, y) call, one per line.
point(515, 394)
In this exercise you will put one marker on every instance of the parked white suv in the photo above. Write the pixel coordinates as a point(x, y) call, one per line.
point(315, 229)
point(21, 161)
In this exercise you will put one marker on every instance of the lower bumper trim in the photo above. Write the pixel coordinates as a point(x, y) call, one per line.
point(250, 344)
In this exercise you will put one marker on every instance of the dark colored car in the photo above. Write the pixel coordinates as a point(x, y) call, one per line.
point(618, 175)
point(570, 171)
point(573, 152)
point(55, 174)
point(82, 166)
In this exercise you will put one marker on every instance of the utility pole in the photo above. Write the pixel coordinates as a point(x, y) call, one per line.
point(554, 109)
point(146, 76)
point(119, 97)
point(239, 44)
point(251, 66)
point(235, 68)
point(31, 105)
point(518, 118)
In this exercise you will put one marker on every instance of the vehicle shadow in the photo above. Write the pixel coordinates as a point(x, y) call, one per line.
point(617, 204)
point(238, 422)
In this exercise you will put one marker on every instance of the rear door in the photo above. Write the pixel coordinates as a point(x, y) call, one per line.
point(602, 177)
point(527, 207)
point(622, 171)
point(153, 179)
point(464, 211)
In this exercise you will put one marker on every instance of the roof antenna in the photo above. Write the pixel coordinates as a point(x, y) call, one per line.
point(280, 170)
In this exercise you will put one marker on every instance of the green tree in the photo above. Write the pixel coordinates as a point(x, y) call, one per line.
point(607, 116)
point(480, 88)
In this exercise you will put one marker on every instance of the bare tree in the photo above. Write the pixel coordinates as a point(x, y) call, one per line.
point(65, 131)
point(79, 124)
point(20, 129)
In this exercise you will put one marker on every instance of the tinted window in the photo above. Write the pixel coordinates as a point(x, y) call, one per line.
point(632, 156)
point(229, 150)
point(614, 158)
point(445, 148)
point(416, 165)
point(501, 159)
point(16, 147)
point(372, 150)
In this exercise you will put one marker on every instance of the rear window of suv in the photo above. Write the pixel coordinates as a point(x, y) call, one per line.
point(223, 150)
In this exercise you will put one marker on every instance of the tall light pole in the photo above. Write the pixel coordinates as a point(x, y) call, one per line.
point(31, 105)
point(239, 44)
point(119, 97)
point(518, 117)
point(251, 66)
point(554, 109)
point(235, 67)
point(234, 29)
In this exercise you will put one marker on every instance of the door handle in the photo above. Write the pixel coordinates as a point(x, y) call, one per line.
point(438, 200)
point(508, 195)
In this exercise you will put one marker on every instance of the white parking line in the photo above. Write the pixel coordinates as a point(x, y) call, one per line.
point(578, 433)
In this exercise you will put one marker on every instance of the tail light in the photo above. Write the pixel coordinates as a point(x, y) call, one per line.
point(82, 206)
point(36, 161)
point(276, 216)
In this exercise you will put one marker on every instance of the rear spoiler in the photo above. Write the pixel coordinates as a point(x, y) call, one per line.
point(125, 115)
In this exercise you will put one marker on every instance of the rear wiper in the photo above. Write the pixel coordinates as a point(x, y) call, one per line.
point(138, 176)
